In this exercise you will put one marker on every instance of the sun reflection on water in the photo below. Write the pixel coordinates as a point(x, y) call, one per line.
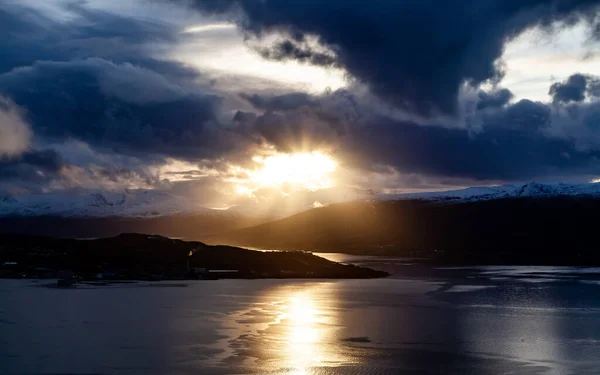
point(303, 333)
point(290, 330)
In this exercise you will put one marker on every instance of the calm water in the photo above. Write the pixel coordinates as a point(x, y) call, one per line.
point(491, 320)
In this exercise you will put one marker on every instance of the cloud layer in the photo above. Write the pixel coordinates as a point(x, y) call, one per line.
point(92, 99)
point(414, 54)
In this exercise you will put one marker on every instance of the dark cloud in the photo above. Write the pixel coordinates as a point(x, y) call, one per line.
point(32, 36)
point(575, 88)
point(294, 131)
point(593, 89)
point(299, 122)
point(515, 141)
point(92, 76)
point(46, 160)
point(280, 102)
point(244, 118)
point(121, 176)
point(121, 107)
point(521, 141)
point(414, 54)
point(92, 80)
point(501, 154)
point(290, 50)
point(43, 170)
point(33, 166)
point(494, 99)
point(109, 26)
point(523, 116)
point(572, 90)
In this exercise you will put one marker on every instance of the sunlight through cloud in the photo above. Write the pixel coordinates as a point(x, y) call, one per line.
point(306, 170)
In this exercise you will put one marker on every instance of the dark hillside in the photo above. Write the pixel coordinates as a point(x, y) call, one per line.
point(138, 256)
point(528, 230)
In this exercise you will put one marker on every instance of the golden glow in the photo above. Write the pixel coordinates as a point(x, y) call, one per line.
point(306, 170)
point(305, 334)
point(302, 315)
point(292, 329)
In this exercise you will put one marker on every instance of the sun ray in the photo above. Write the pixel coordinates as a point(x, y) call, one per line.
point(302, 170)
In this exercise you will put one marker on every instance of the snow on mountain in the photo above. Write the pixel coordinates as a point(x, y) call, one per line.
point(532, 189)
point(142, 203)
point(151, 203)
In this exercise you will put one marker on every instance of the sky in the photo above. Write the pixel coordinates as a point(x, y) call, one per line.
point(233, 102)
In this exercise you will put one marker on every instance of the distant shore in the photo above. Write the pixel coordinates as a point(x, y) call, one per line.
point(152, 258)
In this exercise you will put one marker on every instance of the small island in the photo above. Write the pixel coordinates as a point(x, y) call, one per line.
point(134, 256)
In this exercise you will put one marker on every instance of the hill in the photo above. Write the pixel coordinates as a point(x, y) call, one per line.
point(555, 230)
point(139, 257)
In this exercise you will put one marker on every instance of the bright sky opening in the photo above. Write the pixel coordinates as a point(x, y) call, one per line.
point(305, 170)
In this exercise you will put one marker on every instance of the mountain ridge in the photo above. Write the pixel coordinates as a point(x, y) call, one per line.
point(130, 203)
point(154, 204)
point(525, 230)
point(525, 190)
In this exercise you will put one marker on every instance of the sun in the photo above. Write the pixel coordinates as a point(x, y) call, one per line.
point(304, 170)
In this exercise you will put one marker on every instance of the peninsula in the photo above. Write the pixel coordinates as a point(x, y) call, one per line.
point(133, 256)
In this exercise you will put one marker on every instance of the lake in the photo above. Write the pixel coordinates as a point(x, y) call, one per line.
point(422, 320)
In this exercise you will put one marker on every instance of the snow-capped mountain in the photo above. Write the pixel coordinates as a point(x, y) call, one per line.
point(530, 190)
point(151, 203)
point(137, 203)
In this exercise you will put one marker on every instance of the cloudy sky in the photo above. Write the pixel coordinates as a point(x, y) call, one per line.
point(238, 101)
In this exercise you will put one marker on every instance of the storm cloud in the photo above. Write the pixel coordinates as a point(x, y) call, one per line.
point(96, 99)
point(575, 88)
point(293, 50)
point(494, 99)
point(280, 102)
point(31, 35)
point(499, 154)
point(35, 166)
point(117, 106)
point(520, 141)
point(414, 54)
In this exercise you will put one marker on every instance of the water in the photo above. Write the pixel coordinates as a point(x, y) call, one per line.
point(489, 320)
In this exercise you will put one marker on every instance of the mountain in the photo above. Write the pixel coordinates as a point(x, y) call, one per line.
point(130, 203)
point(529, 229)
point(528, 190)
point(152, 203)
point(104, 214)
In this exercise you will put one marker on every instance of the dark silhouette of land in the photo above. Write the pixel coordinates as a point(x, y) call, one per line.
point(142, 257)
point(545, 231)
point(553, 231)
